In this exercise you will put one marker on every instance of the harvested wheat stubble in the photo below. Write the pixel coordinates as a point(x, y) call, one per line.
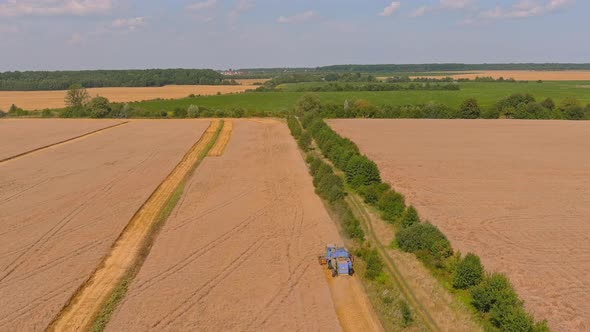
point(239, 252)
point(21, 135)
point(517, 193)
point(80, 312)
point(221, 143)
point(63, 208)
point(37, 100)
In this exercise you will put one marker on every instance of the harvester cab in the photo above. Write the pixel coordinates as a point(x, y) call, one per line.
point(338, 260)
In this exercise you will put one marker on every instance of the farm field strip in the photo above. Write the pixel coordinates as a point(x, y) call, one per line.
point(503, 189)
point(526, 75)
point(240, 249)
point(22, 135)
point(223, 140)
point(79, 313)
point(68, 140)
point(37, 100)
point(63, 208)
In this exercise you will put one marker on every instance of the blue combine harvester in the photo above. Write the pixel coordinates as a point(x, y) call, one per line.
point(338, 260)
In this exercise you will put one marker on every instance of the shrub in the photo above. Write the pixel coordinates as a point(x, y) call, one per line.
point(548, 103)
point(424, 237)
point(469, 272)
point(374, 264)
point(469, 109)
point(509, 317)
point(46, 113)
point(491, 290)
point(391, 205)
point(360, 171)
point(192, 111)
point(406, 313)
point(410, 217)
point(2, 114)
point(294, 126)
point(373, 192)
point(309, 103)
point(304, 141)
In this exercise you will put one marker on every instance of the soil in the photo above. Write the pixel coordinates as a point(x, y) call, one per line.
point(524, 75)
point(63, 208)
point(517, 193)
point(239, 252)
point(37, 100)
point(224, 137)
point(21, 135)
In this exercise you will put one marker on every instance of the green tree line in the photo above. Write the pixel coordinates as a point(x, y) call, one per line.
point(61, 80)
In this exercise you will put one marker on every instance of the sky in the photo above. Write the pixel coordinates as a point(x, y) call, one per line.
point(222, 34)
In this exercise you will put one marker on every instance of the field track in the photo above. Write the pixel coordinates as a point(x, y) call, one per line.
point(63, 208)
point(68, 140)
point(78, 314)
point(221, 143)
point(239, 252)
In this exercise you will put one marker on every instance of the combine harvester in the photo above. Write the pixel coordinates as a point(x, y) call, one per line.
point(338, 260)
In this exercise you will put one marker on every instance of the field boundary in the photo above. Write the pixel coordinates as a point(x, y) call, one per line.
point(96, 299)
point(67, 140)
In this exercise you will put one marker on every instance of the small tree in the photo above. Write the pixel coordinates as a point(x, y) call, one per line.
point(391, 205)
point(76, 97)
point(548, 103)
point(99, 107)
point(469, 272)
point(493, 289)
point(2, 114)
point(410, 217)
point(193, 111)
point(469, 109)
point(309, 103)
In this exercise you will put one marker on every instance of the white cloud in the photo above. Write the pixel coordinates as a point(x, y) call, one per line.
point(130, 24)
point(306, 16)
point(391, 9)
point(443, 5)
point(526, 8)
point(16, 8)
point(208, 4)
point(241, 6)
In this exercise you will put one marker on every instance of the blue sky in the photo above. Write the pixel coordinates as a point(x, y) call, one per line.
point(105, 34)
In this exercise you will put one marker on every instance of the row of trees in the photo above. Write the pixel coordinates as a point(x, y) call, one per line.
point(438, 67)
point(61, 80)
point(492, 295)
point(516, 106)
point(335, 87)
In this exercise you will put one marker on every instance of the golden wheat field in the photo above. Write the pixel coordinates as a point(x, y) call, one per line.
point(35, 100)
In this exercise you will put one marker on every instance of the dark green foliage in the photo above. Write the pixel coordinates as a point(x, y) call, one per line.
point(374, 263)
point(360, 171)
point(572, 109)
point(407, 318)
point(491, 290)
point(409, 217)
point(2, 114)
point(16, 111)
point(424, 237)
point(548, 103)
point(309, 103)
point(294, 126)
point(469, 109)
point(371, 193)
point(469, 272)
point(304, 141)
point(392, 205)
point(509, 317)
point(61, 80)
point(180, 113)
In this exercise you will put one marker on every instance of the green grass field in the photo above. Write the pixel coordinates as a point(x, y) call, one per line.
point(486, 94)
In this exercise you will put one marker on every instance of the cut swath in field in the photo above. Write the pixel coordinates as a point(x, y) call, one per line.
point(82, 308)
point(221, 142)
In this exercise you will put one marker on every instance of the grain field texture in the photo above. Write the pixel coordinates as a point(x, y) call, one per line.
point(515, 192)
point(63, 208)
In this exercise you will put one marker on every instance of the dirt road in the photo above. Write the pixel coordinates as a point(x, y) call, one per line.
point(63, 208)
point(517, 193)
point(240, 250)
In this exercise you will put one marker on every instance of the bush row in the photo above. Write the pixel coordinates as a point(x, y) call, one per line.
point(338, 87)
point(492, 295)
point(516, 106)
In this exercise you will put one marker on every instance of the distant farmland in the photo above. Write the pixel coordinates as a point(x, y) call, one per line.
point(530, 75)
point(33, 100)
